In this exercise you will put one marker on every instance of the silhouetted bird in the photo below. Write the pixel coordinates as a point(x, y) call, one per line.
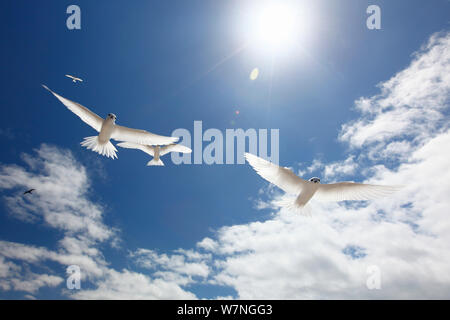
point(29, 191)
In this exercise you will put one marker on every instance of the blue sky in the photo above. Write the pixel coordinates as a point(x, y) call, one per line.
point(161, 65)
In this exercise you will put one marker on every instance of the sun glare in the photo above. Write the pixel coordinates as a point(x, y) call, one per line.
point(276, 27)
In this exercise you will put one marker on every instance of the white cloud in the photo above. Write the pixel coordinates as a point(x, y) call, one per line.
point(61, 201)
point(340, 168)
point(175, 263)
point(34, 282)
point(135, 286)
point(194, 255)
point(14, 277)
point(411, 103)
point(207, 244)
point(329, 170)
point(61, 198)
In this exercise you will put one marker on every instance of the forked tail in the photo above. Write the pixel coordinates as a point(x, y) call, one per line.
point(105, 149)
point(153, 162)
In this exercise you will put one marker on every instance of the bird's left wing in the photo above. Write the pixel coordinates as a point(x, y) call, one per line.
point(283, 178)
point(174, 148)
point(343, 191)
point(121, 133)
point(84, 113)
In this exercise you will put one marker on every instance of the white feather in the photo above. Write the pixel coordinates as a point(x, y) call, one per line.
point(121, 133)
point(283, 178)
point(174, 148)
point(131, 145)
point(343, 191)
point(105, 149)
point(84, 113)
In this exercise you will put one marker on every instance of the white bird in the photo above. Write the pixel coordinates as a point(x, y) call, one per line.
point(156, 151)
point(289, 182)
point(108, 129)
point(74, 79)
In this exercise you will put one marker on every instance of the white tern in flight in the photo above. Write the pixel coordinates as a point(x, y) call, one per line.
point(74, 79)
point(108, 129)
point(289, 182)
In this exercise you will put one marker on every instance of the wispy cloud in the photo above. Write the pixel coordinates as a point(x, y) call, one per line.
point(410, 105)
point(62, 202)
point(183, 262)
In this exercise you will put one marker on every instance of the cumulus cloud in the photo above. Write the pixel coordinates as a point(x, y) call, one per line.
point(15, 277)
point(33, 282)
point(132, 285)
point(176, 262)
point(330, 170)
point(207, 244)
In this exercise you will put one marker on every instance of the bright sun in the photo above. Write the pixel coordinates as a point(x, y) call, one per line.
point(276, 27)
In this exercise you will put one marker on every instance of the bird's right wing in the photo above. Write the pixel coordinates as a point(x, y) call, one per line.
point(352, 191)
point(174, 148)
point(84, 113)
point(283, 178)
point(69, 76)
point(132, 145)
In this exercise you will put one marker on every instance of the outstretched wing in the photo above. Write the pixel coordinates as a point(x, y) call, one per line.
point(69, 76)
point(174, 148)
point(84, 113)
point(352, 191)
point(132, 145)
point(121, 133)
point(283, 178)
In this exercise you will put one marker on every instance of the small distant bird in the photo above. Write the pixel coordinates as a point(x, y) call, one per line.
point(29, 191)
point(289, 182)
point(157, 151)
point(74, 79)
point(108, 129)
